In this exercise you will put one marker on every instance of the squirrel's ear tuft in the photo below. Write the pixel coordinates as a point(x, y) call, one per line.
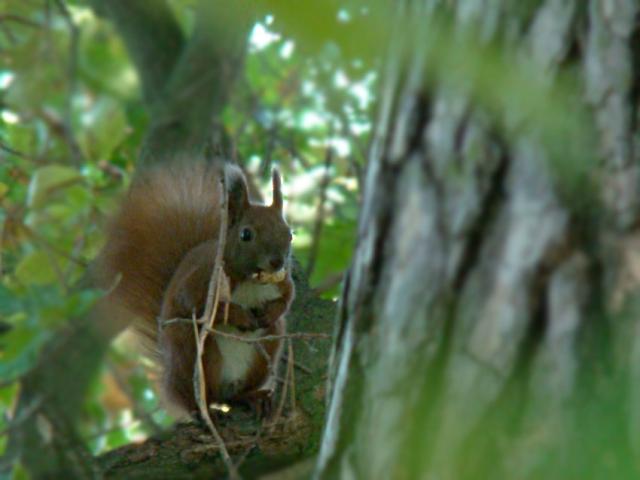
point(238, 192)
point(277, 190)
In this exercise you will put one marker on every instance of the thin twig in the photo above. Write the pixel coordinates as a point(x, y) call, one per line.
point(162, 323)
point(61, 128)
point(296, 364)
point(354, 139)
point(211, 309)
point(72, 69)
point(214, 290)
point(302, 367)
point(283, 395)
point(266, 338)
point(289, 144)
point(200, 394)
point(292, 377)
point(13, 151)
point(262, 351)
point(57, 270)
point(9, 17)
point(252, 443)
point(328, 283)
point(53, 248)
point(267, 153)
point(78, 246)
point(295, 336)
point(9, 34)
point(320, 212)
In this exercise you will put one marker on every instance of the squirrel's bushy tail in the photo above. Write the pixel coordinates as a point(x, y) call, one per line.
point(168, 211)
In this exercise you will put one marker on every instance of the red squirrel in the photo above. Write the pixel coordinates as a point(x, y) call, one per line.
point(163, 243)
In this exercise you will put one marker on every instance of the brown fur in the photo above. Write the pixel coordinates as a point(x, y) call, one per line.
point(163, 244)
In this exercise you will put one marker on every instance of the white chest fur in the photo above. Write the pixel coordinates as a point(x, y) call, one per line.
point(252, 294)
point(237, 356)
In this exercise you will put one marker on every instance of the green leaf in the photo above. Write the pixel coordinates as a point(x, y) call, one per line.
point(9, 302)
point(104, 127)
point(8, 395)
point(78, 197)
point(35, 269)
point(117, 438)
point(48, 180)
point(21, 137)
point(19, 350)
point(19, 472)
point(334, 251)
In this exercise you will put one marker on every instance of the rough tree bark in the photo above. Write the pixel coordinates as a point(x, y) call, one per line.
point(488, 327)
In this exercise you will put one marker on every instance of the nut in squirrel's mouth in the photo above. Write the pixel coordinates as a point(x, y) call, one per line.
point(269, 277)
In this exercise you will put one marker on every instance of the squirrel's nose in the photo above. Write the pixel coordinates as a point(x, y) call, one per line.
point(276, 262)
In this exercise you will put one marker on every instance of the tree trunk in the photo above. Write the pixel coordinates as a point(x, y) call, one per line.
point(488, 326)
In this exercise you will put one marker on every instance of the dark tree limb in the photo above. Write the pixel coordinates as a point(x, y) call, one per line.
point(152, 37)
point(45, 440)
point(198, 89)
point(320, 211)
point(185, 83)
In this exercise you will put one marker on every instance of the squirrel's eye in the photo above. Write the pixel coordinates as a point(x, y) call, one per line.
point(246, 235)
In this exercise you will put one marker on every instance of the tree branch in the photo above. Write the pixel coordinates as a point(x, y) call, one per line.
point(185, 84)
point(152, 37)
point(45, 441)
point(188, 451)
point(199, 86)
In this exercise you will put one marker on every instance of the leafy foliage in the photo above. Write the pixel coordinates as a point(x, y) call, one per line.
point(71, 123)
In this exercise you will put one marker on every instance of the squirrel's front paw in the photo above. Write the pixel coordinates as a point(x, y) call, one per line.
point(261, 318)
point(246, 322)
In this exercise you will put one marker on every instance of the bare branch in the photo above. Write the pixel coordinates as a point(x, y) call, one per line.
point(218, 278)
point(72, 74)
point(328, 283)
point(283, 395)
point(291, 361)
point(199, 383)
point(8, 17)
point(266, 338)
point(13, 151)
point(320, 212)
point(240, 338)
